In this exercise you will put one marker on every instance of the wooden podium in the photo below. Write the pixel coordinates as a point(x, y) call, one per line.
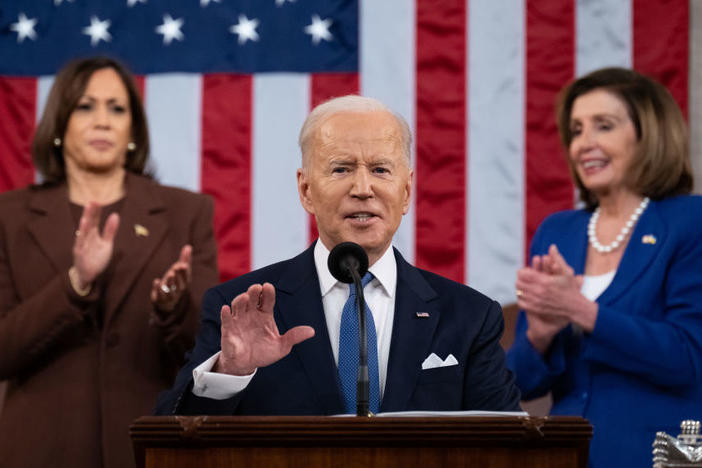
point(299, 441)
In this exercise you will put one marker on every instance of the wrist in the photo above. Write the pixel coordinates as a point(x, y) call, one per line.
point(224, 366)
point(586, 315)
point(81, 287)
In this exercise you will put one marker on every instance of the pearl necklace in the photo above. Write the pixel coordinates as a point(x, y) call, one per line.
point(592, 225)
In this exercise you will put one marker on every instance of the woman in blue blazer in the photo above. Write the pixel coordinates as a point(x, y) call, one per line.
point(611, 306)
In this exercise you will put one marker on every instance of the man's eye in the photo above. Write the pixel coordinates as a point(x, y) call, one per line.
point(381, 170)
point(339, 170)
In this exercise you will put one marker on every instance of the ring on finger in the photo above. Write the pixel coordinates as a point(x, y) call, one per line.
point(165, 288)
point(519, 292)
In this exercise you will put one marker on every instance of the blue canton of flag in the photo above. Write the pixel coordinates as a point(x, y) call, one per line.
point(154, 36)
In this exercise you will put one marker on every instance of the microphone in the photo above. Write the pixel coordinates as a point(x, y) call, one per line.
point(346, 258)
point(348, 262)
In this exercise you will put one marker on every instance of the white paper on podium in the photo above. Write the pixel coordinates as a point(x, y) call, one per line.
point(461, 414)
point(451, 414)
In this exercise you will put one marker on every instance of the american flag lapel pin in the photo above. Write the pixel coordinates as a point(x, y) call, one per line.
point(141, 231)
point(648, 239)
point(422, 314)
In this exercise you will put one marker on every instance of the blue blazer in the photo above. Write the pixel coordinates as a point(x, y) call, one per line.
point(461, 322)
point(640, 370)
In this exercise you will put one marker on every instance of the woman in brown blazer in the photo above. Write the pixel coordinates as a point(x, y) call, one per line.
point(101, 275)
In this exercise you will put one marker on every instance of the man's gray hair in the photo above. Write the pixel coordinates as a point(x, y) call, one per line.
point(350, 103)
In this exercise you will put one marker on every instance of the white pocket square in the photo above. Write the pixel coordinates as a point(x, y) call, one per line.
point(433, 361)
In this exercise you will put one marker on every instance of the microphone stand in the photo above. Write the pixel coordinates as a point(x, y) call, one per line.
point(362, 381)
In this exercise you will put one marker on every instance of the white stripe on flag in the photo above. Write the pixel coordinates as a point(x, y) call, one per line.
point(496, 87)
point(174, 110)
point(695, 101)
point(387, 67)
point(603, 35)
point(44, 84)
point(279, 223)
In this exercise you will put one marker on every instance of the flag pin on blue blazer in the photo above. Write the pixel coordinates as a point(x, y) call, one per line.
point(648, 239)
point(422, 314)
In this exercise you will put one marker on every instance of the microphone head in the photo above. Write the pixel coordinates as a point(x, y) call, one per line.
point(347, 256)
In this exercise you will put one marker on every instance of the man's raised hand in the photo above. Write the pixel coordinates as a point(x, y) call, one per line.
point(250, 337)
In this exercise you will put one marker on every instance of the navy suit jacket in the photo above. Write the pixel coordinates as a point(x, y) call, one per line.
point(461, 322)
point(640, 370)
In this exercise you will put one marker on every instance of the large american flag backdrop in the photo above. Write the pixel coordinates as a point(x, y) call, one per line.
point(227, 85)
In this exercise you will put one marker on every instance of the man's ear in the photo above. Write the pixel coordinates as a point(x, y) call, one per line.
point(303, 190)
point(408, 193)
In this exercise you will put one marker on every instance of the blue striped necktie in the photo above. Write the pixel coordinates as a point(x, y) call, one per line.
point(348, 352)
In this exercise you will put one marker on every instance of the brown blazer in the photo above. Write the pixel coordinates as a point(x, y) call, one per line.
point(80, 370)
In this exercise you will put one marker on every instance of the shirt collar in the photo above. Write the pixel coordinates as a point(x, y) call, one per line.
point(384, 270)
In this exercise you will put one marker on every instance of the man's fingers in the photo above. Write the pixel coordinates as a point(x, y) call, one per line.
point(239, 304)
point(297, 335)
point(267, 298)
point(261, 297)
point(253, 295)
point(225, 315)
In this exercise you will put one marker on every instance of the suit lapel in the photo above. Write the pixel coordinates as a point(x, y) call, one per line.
point(53, 229)
point(142, 227)
point(573, 247)
point(298, 302)
point(645, 243)
point(411, 335)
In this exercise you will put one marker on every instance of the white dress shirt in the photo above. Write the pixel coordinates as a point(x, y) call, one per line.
point(379, 295)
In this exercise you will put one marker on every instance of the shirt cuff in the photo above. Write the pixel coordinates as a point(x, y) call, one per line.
point(217, 386)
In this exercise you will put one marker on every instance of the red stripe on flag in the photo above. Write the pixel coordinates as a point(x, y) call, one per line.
point(140, 82)
point(550, 65)
point(324, 86)
point(226, 166)
point(18, 103)
point(441, 137)
point(660, 31)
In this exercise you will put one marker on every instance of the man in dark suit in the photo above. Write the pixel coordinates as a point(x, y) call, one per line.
point(272, 341)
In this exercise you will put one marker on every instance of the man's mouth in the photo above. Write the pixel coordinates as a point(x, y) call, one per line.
point(362, 216)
